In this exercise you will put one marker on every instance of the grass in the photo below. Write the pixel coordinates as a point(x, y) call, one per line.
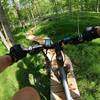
point(87, 68)
point(85, 57)
point(26, 72)
point(30, 71)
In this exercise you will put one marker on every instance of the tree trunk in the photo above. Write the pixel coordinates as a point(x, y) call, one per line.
point(5, 26)
point(4, 41)
point(98, 5)
point(35, 7)
point(31, 10)
point(6, 35)
point(81, 4)
point(54, 6)
point(16, 4)
point(69, 6)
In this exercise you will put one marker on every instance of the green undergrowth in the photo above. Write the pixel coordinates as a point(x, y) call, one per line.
point(85, 57)
point(29, 71)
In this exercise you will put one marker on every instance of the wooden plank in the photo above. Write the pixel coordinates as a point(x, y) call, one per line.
point(73, 85)
point(57, 96)
point(54, 80)
point(57, 88)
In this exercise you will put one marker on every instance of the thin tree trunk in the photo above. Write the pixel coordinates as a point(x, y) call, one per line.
point(69, 6)
point(34, 3)
point(4, 41)
point(16, 4)
point(5, 35)
point(98, 5)
point(31, 10)
point(81, 4)
point(55, 9)
point(5, 25)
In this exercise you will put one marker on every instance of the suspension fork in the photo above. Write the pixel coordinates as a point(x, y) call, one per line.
point(65, 84)
point(60, 63)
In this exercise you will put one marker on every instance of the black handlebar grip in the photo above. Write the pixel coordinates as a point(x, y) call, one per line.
point(34, 49)
point(89, 34)
point(67, 40)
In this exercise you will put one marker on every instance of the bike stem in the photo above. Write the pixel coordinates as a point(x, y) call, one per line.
point(60, 62)
point(59, 56)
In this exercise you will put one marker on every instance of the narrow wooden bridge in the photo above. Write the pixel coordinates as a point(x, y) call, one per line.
point(57, 91)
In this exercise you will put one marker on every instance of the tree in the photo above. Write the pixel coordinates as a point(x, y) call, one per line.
point(4, 40)
point(69, 6)
point(82, 4)
point(98, 5)
point(54, 6)
point(5, 26)
point(17, 7)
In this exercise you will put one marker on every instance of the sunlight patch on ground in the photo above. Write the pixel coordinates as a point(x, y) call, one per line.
point(32, 80)
point(96, 41)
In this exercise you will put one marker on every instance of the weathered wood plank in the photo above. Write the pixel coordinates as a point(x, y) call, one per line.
point(57, 96)
point(73, 85)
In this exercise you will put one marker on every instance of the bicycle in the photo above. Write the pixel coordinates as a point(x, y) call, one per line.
point(60, 70)
point(89, 34)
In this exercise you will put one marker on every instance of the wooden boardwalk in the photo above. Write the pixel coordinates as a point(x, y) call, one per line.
point(57, 91)
point(56, 88)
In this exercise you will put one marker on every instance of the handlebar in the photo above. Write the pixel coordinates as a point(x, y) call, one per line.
point(89, 34)
point(40, 47)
